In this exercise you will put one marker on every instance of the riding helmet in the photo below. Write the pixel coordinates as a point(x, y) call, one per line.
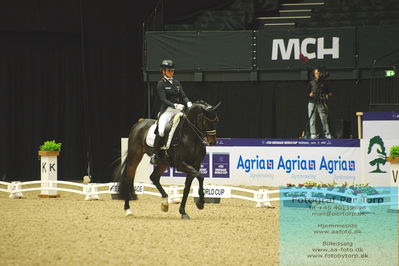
point(167, 64)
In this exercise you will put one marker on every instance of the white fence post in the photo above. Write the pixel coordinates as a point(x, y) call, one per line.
point(48, 169)
point(15, 190)
point(91, 191)
point(173, 194)
point(262, 198)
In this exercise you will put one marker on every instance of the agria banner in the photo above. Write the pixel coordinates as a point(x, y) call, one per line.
point(278, 162)
point(272, 162)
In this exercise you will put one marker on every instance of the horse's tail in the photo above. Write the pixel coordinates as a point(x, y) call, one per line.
point(125, 188)
point(125, 172)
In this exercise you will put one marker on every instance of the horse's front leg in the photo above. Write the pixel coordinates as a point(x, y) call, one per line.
point(155, 177)
point(191, 173)
point(201, 201)
point(186, 191)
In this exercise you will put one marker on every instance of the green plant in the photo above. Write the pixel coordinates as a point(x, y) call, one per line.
point(50, 145)
point(394, 151)
point(319, 189)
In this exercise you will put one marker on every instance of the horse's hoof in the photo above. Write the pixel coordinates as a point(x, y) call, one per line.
point(129, 213)
point(200, 205)
point(185, 217)
point(164, 207)
point(165, 204)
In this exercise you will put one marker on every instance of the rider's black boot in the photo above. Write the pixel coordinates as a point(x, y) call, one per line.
point(155, 156)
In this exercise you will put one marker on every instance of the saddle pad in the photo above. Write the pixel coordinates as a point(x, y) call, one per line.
point(150, 138)
point(151, 135)
point(176, 120)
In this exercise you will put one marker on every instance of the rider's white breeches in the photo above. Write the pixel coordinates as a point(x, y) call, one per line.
point(165, 118)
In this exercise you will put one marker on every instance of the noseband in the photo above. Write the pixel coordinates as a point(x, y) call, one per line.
point(211, 132)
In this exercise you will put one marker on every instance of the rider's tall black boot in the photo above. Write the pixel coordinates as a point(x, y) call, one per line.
point(155, 156)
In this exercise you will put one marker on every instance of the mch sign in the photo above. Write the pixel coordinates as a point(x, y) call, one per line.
point(309, 47)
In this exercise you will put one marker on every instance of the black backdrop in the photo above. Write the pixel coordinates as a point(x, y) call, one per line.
point(70, 70)
point(275, 109)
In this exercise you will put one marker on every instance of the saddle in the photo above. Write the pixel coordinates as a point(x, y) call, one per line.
point(169, 132)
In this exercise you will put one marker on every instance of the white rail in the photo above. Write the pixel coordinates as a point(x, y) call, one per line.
point(262, 197)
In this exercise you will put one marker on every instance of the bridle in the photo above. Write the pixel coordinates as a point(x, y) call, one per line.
point(211, 132)
point(201, 135)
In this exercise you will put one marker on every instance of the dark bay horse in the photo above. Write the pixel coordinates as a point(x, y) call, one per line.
point(186, 153)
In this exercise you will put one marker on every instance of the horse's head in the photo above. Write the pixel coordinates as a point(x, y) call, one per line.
point(205, 118)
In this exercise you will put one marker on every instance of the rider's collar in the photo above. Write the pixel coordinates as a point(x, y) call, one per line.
point(168, 79)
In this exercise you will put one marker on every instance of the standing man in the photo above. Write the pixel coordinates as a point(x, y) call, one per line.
point(173, 99)
point(318, 94)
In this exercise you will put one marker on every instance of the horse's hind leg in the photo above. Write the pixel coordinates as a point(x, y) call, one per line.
point(131, 172)
point(155, 177)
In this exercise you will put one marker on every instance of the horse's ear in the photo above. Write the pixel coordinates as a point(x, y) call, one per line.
point(216, 106)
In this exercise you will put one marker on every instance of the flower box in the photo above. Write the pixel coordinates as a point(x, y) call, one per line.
point(393, 159)
point(49, 153)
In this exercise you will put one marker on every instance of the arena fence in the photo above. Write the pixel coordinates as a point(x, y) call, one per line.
point(262, 197)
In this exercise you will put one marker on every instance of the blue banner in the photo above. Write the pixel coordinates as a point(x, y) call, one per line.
point(381, 116)
point(289, 142)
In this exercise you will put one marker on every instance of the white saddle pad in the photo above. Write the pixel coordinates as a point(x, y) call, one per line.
point(151, 136)
point(151, 133)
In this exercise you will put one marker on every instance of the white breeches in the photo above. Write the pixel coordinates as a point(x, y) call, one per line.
point(165, 118)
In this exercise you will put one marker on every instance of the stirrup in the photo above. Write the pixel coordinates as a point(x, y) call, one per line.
point(153, 160)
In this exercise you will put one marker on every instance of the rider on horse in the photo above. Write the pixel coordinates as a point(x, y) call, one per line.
point(172, 97)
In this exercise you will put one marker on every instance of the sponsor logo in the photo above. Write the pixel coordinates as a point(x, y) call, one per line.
point(214, 192)
point(256, 163)
point(310, 48)
point(379, 154)
point(288, 165)
point(113, 188)
point(220, 165)
point(204, 167)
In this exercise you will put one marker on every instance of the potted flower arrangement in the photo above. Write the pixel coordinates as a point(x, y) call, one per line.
point(393, 154)
point(393, 159)
point(50, 148)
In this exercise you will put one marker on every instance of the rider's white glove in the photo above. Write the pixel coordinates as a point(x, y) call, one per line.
point(179, 106)
point(189, 104)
